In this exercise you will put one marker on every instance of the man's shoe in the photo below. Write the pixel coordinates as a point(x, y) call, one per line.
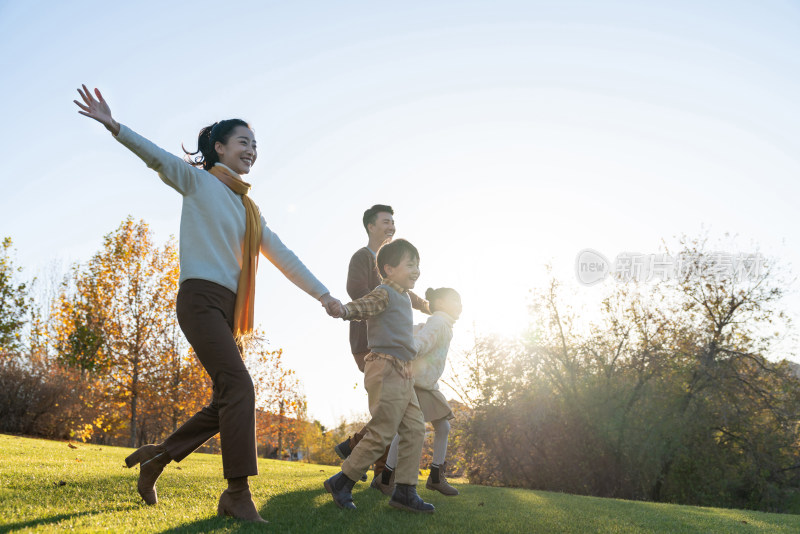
point(405, 498)
point(341, 489)
point(438, 482)
point(384, 482)
point(343, 449)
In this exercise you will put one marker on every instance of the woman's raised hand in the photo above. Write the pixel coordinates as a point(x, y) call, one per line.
point(97, 109)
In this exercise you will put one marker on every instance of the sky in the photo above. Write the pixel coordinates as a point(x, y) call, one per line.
point(506, 135)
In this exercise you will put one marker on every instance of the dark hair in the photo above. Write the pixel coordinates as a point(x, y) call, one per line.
point(433, 295)
point(371, 214)
point(206, 156)
point(392, 254)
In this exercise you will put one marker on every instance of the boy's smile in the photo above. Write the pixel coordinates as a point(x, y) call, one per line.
point(405, 274)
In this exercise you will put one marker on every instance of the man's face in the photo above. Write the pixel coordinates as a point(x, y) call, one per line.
point(405, 274)
point(383, 227)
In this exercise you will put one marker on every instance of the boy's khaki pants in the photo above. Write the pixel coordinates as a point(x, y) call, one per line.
point(395, 410)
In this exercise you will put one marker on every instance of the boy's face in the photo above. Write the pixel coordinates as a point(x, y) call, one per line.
point(405, 274)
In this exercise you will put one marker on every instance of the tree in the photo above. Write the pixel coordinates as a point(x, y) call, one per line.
point(279, 397)
point(731, 319)
point(14, 301)
point(675, 394)
point(116, 321)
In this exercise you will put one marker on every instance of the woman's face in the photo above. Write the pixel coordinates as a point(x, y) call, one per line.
point(239, 153)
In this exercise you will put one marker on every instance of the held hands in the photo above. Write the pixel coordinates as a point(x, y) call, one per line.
point(332, 306)
point(97, 109)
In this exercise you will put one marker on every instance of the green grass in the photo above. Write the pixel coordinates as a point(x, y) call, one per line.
point(48, 486)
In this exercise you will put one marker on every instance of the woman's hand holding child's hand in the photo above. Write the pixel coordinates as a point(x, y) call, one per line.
point(332, 305)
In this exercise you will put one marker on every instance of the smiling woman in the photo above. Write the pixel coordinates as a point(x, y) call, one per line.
point(230, 142)
point(222, 233)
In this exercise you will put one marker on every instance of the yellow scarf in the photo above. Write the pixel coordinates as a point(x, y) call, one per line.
point(246, 290)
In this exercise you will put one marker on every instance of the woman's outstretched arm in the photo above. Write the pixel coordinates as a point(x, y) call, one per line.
point(174, 171)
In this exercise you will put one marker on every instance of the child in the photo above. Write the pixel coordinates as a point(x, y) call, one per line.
point(433, 342)
point(387, 378)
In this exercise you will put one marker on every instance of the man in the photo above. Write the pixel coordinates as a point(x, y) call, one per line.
point(363, 277)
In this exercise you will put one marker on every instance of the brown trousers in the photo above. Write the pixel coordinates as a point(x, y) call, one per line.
point(205, 314)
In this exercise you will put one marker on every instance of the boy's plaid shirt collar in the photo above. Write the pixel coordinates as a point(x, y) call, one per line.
point(394, 285)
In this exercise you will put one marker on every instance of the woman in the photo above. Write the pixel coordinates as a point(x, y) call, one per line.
point(221, 235)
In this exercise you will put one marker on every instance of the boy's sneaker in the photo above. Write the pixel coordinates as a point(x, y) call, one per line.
point(438, 482)
point(384, 481)
point(341, 489)
point(405, 498)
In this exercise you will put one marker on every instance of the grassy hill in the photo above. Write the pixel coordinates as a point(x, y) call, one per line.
point(55, 486)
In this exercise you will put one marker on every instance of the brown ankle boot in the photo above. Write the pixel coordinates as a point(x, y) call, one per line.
point(237, 502)
point(438, 482)
point(142, 454)
point(384, 482)
point(149, 472)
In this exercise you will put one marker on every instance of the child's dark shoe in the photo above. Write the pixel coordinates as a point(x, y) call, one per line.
point(343, 449)
point(438, 482)
point(384, 481)
point(341, 489)
point(405, 498)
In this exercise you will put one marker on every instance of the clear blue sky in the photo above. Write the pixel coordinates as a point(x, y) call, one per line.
point(505, 134)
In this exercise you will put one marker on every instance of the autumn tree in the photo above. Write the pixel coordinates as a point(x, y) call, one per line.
point(116, 322)
point(14, 301)
point(279, 397)
point(37, 396)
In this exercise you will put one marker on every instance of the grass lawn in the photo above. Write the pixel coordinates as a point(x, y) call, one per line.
point(55, 486)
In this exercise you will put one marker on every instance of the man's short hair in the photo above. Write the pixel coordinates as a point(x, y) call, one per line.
point(372, 214)
point(392, 254)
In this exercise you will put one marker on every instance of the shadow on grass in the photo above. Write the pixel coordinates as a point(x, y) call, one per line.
point(44, 521)
point(299, 503)
point(312, 509)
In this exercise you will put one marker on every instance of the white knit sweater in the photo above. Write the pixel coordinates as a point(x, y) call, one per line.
point(433, 342)
point(213, 223)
